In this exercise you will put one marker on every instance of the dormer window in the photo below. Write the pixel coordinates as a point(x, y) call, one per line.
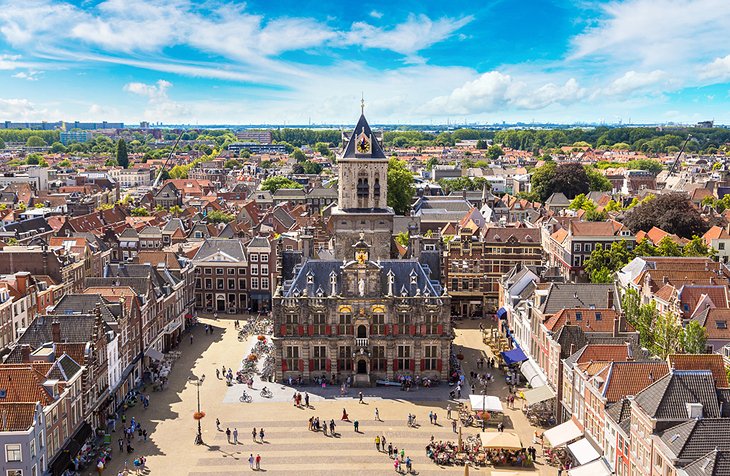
point(578, 316)
point(310, 278)
point(721, 324)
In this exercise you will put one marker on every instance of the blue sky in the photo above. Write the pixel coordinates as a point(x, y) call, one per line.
point(423, 62)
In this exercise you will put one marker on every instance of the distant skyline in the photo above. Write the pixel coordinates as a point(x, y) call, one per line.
point(415, 61)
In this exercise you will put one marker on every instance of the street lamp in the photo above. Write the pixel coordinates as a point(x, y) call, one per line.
point(198, 415)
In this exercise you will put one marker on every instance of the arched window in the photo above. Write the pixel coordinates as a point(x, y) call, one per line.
point(376, 188)
point(362, 187)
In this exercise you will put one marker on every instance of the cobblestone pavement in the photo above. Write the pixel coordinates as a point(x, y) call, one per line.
point(288, 447)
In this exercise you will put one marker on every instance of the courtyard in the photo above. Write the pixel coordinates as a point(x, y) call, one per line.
point(289, 447)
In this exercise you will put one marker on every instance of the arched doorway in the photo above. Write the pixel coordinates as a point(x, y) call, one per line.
point(362, 366)
point(362, 331)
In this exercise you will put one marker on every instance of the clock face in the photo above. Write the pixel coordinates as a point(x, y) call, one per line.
point(363, 144)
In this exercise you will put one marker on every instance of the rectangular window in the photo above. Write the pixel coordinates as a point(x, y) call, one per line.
point(378, 324)
point(219, 283)
point(431, 357)
point(378, 361)
point(231, 283)
point(208, 283)
point(254, 283)
point(404, 321)
point(241, 284)
point(219, 271)
point(231, 270)
point(264, 270)
point(242, 271)
point(291, 357)
point(254, 270)
point(32, 448)
point(576, 247)
point(264, 258)
point(721, 246)
point(292, 323)
point(320, 322)
point(14, 472)
point(344, 358)
point(319, 356)
point(254, 258)
point(578, 316)
point(345, 324)
point(13, 453)
point(264, 283)
point(431, 326)
point(208, 271)
point(404, 357)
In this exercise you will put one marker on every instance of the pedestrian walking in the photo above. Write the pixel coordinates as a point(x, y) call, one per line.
point(377, 414)
point(306, 399)
point(253, 434)
point(430, 417)
point(402, 454)
point(144, 434)
point(250, 461)
point(228, 434)
point(435, 419)
point(258, 461)
point(332, 427)
point(448, 411)
point(359, 394)
point(408, 465)
point(218, 424)
point(390, 450)
point(217, 374)
point(377, 443)
point(395, 452)
point(344, 415)
point(396, 465)
point(191, 339)
point(121, 444)
point(382, 441)
point(235, 436)
point(356, 424)
point(261, 434)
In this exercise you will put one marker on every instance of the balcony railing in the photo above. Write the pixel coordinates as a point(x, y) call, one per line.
point(361, 341)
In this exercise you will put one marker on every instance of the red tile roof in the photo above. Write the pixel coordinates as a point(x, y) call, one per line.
point(711, 362)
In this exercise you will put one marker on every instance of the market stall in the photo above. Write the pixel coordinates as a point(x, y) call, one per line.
point(598, 467)
point(562, 434)
point(500, 440)
point(485, 409)
point(583, 451)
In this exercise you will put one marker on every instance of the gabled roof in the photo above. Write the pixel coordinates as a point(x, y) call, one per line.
point(667, 398)
point(215, 247)
point(714, 463)
point(696, 437)
point(362, 127)
point(629, 378)
point(591, 320)
point(711, 362)
point(578, 295)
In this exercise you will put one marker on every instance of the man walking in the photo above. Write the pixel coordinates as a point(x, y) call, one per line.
point(377, 443)
point(360, 395)
point(261, 434)
point(250, 461)
point(218, 424)
point(306, 399)
point(228, 434)
point(453, 425)
point(235, 436)
point(253, 434)
point(448, 411)
point(258, 461)
point(356, 424)
point(377, 414)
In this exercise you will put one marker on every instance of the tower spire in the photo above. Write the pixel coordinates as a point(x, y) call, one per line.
point(362, 103)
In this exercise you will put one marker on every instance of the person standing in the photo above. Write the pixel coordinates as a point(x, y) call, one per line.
point(377, 415)
point(448, 411)
point(258, 461)
point(250, 461)
point(390, 450)
point(430, 417)
point(435, 419)
point(332, 427)
point(253, 434)
point(121, 444)
point(218, 424)
point(359, 394)
point(377, 443)
point(191, 339)
point(261, 434)
point(356, 424)
point(235, 436)
point(306, 399)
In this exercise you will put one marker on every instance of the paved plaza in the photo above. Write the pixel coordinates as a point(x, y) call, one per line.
point(288, 447)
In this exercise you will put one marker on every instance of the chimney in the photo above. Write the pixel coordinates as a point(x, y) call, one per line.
point(56, 331)
point(572, 349)
point(22, 279)
point(665, 280)
point(615, 326)
point(610, 298)
point(629, 351)
point(25, 353)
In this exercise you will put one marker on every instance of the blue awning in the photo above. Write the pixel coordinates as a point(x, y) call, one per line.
point(514, 356)
point(501, 313)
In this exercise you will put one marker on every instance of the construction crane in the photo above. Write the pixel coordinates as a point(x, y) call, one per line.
point(679, 156)
point(169, 157)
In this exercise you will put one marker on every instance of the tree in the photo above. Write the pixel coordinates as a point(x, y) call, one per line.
point(110, 163)
point(431, 162)
point(298, 155)
point(597, 181)
point(571, 179)
point(122, 156)
point(217, 216)
point(463, 183)
point(666, 333)
point(310, 167)
point(33, 159)
point(323, 149)
point(693, 338)
point(140, 212)
point(481, 144)
point(64, 163)
point(672, 212)
point(645, 248)
point(668, 247)
point(652, 166)
point(494, 152)
point(58, 148)
point(176, 210)
point(542, 179)
point(272, 184)
point(403, 238)
point(697, 247)
point(400, 186)
point(35, 141)
point(602, 263)
point(232, 164)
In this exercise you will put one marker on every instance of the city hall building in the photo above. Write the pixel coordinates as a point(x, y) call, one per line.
point(362, 314)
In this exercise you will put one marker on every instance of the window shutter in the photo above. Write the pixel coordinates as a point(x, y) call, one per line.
point(387, 328)
point(311, 330)
point(327, 330)
point(328, 365)
point(413, 364)
point(423, 329)
point(300, 329)
point(438, 365)
point(423, 364)
point(371, 329)
point(395, 364)
point(282, 329)
point(301, 365)
point(338, 329)
point(395, 328)
point(413, 329)
point(311, 364)
point(283, 365)
point(440, 329)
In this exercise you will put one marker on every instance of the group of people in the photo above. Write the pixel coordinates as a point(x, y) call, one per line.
point(297, 397)
point(401, 462)
point(316, 425)
point(491, 363)
point(129, 431)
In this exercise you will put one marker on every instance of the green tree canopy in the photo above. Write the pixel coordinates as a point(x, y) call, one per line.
point(217, 216)
point(272, 184)
point(35, 141)
point(298, 155)
point(140, 212)
point(672, 212)
point(58, 148)
point(121, 155)
point(400, 186)
point(482, 144)
point(494, 152)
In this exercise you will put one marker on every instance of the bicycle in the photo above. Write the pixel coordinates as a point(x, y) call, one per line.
point(245, 398)
point(266, 393)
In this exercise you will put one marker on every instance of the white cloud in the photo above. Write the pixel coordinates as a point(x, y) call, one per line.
point(657, 33)
point(376, 14)
point(416, 34)
point(632, 81)
point(718, 70)
point(28, 76)
point(159, 106)
point(16, 109)
point(493, 91)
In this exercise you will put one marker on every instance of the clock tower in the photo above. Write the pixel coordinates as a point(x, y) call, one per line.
point(362, 205)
